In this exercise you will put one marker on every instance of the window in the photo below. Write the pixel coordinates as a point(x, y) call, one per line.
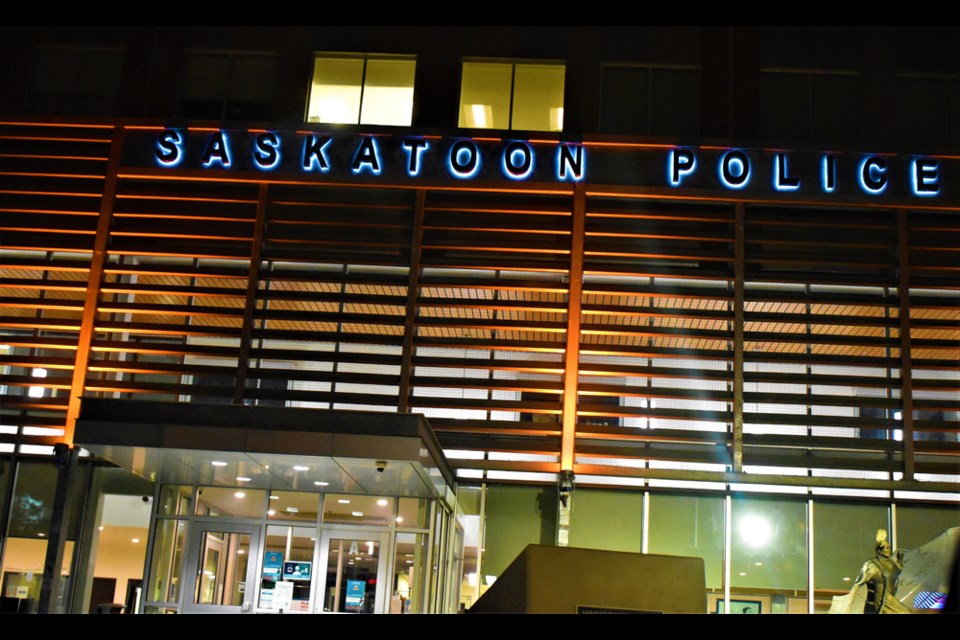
point(362, 89)
point(809, 106)
point(226, 85)
point(76, 81)
point(645, 100)
point(928, 107)
point(512, 95)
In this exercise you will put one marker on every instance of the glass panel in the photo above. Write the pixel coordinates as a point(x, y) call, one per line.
point(675, 104)
point(688, 526)
point(388, 92)
point(607, 520)
point(168, 546)
point(538, 97)
point(784, 101)
point(288, 557)
point(917, 525)
point(413, 513)
point(335, 93)
point(351, 576)
point(624, 100)
point(222, 569)
point(844, 537)
point(769, 547)
point(409, 574)
point(175, 500)
point(227, 501)
point(485, 95)
point(293, 505)
point(353, 509)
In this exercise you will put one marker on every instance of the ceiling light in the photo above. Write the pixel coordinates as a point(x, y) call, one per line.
point(274, 497)
point(381, 502)
point(358, 514)
point(219, 463)
point(271, 512)
point(321, 483)
point(300, 467)
point(239, 494)
point(243, 479)
point(293, 510)
point(409, 561)
point(343, 501)
point(135, 540)
point(399, 519)
point(241, 551)
point(100, 528)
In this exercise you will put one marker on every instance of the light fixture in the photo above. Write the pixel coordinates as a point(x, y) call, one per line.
point(243, 479)
point(358, 514)
point(37, 391)
point(320, 483)
point(758, 564)
point(382, 502)
point(399, 519)
point(409, 561)
point(293, 510)
point(300, 467)
point(350, 562)
point(135, 540)
point(755, 530)
point(274, 497)
point(100, 528)
point(42, 535)
point(743, 573)
point(219, 463)
point(343, 501)
point(241, 551)
point(239, 494)
point(271, 512)
point(846, 579)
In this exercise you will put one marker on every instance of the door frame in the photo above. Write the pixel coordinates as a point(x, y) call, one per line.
point(384, 564)
point(191, 565)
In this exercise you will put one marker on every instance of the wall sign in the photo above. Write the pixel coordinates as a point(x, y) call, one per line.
point(363, 157)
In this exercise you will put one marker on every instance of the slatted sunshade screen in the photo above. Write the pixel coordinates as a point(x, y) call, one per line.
point(51, 181)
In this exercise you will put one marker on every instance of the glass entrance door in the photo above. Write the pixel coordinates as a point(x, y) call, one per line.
point(355, 567)
point(220, 568)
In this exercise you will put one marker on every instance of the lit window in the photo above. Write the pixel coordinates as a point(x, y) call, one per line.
point(362, 90)
point(512, 95)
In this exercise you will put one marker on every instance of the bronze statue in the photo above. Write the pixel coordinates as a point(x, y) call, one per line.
point(876, 586)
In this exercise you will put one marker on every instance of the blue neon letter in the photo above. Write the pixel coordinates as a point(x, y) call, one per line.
point(217, 150)
point(315, 153)
point(872, 175)
point(413, 149)
point(734, 169)
point(169, 152)
point(571, 162)
point(925, 177)
point(266, 152)
point(781, 180)
point(680, 164)
point(368, 156)
point(517, 160)
point(828, 173)
point(464, 160)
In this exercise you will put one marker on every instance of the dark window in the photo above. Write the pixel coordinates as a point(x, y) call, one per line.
point(809, 106)
point(927, 109)
point(645, 100)
point(227, 86)
point(75, 81)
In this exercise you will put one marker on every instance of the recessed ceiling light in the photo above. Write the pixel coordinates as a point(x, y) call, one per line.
point(42, 535)
point(343, 501)
point(271, 512)
point(135, 540)
point(743, 573)
point(381, 502)
point(358, 514)
point(314, 540)
point(293, 510)
point(399, 519)
point(300, 467)
point(350, 562)
point(239, 494)
point(243, 479)
point(241, 551)
point(321, 483)
point(100, 528)
point(274, 497)
point(219, 463)
point(409, 561)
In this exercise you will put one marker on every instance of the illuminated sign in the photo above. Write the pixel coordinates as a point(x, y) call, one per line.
point(364, 157)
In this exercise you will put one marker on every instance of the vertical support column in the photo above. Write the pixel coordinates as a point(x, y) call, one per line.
point(413, 291)
point(645, 524)
point(811, 576)
point(51, 585)
point(727, 551)
point(738, 304)
point(906, 366)
point(94, 280)
point(571, 364)
point(571, 367)
point(250, 302)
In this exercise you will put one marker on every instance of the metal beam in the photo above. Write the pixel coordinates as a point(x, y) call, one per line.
point(571, 366)
point(413, 289)
point(250, 301)
point(97, 261)
point(738, 303)
point(906, 365)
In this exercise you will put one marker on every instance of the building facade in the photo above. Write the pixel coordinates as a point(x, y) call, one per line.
point(690, 291)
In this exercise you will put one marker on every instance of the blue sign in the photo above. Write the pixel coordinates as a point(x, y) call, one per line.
point(356, 589)
point(296, 571)
point(272, 564)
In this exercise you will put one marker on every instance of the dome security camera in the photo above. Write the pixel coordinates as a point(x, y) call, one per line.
point(381, 465)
